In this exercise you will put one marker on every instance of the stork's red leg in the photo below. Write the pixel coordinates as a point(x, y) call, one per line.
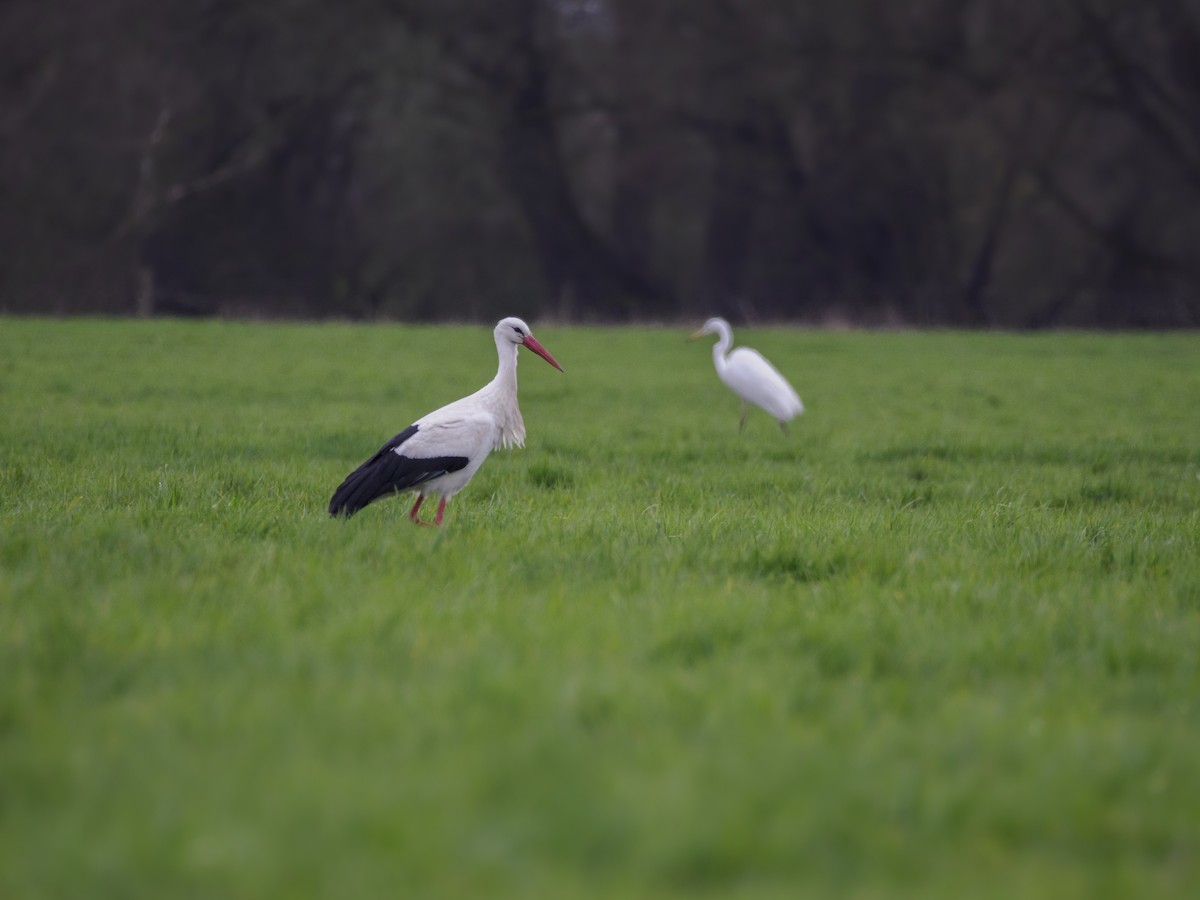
point(441, 509)
point(414, 512)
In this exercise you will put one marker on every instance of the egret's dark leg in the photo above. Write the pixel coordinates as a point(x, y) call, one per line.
point(742, 420)
point(414, 513)
point(441, 509)
point(783, 426)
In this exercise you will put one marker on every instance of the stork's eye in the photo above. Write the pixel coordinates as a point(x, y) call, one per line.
point(519, 332)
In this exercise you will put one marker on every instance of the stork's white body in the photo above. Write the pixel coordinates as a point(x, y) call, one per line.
point(748, 374)
point(440, 452)
point(472, 427)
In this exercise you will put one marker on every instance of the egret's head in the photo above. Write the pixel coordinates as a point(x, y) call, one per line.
point(715, 326)
point(514, 331)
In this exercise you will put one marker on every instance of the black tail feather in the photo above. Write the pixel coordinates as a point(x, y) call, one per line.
point(364, 484)
point(387, 473)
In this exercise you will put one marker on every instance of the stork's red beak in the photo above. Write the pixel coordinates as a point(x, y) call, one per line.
point(532, 344)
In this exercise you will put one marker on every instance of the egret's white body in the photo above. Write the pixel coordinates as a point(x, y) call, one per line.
point(748, 374)
point(440, 452)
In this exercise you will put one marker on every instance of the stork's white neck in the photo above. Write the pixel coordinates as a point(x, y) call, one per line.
point(500, 395)
point(506, 370)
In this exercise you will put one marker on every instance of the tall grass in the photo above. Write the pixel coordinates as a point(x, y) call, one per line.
point(938, 641)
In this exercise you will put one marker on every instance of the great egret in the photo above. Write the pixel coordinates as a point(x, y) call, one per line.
point(751, 377)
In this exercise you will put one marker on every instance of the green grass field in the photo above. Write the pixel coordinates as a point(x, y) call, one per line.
point(941, 640)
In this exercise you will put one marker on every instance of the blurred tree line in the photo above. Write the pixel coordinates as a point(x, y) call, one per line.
point(965, 162)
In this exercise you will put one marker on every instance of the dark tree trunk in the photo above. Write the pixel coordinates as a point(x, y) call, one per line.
point(727, 232)
point(632, 202)
point(635, 169)
point(577, 264)
point(979, 278)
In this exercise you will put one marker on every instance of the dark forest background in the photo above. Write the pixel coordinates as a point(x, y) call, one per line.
point(959, 162)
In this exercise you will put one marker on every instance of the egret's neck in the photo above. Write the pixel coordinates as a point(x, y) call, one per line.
point(721, 348)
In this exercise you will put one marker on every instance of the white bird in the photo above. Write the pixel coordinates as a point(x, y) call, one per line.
point(751, 377)
point(438, 453)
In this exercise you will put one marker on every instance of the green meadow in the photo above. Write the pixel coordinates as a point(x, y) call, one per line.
point(939, 640)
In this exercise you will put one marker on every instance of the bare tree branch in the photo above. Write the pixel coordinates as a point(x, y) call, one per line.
point(1138, 89)
point(39, 87)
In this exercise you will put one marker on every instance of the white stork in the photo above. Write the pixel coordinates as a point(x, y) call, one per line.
point(751, 377)
point(438, 453)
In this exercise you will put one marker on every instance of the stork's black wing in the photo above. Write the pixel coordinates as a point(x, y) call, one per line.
point(387, 473)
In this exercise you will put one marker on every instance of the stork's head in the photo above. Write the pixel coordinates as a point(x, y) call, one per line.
point(515, 331)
